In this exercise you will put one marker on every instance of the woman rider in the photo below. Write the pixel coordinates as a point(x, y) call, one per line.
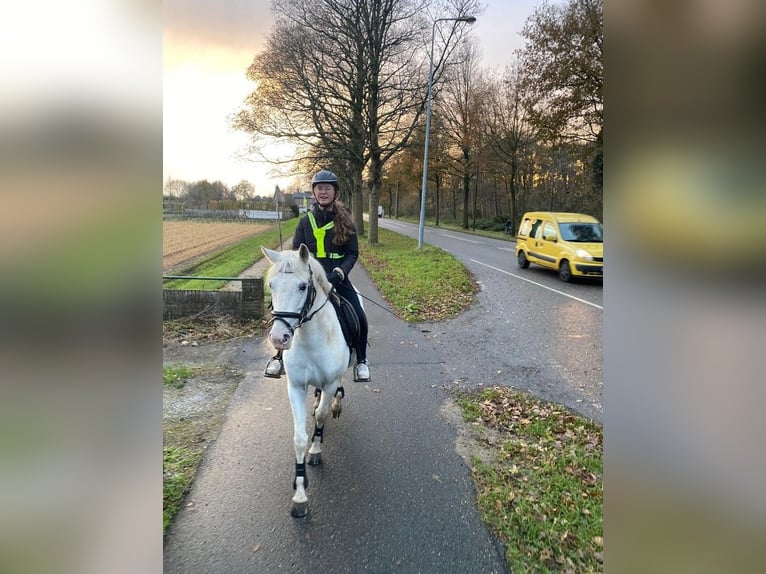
point(330, 234)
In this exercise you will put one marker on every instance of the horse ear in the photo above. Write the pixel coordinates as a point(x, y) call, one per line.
point(303, 251)
point(270, 254)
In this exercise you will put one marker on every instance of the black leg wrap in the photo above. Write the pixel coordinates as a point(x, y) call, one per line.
point(300, 470)
point(318, 432)
point(341, 391)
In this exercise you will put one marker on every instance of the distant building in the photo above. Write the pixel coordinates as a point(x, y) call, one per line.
point(302, 199)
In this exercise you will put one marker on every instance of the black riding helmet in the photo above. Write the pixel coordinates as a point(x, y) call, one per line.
point(325, 176)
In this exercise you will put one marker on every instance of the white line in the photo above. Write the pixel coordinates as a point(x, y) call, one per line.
point(459, 238)
point(540, 285)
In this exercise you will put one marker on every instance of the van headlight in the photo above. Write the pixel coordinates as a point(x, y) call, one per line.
point(582, 254)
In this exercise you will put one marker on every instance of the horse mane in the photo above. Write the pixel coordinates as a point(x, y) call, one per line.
point(291, 262)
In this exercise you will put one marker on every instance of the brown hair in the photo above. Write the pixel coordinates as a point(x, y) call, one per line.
point(344, 226)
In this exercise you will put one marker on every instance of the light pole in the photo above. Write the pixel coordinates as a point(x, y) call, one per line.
point(422, 226)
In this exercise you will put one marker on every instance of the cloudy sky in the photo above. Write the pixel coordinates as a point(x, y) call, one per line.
point(208, 46)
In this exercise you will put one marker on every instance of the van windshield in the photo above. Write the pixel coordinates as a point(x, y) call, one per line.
point(582, 232)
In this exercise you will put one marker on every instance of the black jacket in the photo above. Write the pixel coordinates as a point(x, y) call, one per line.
point(305, 234)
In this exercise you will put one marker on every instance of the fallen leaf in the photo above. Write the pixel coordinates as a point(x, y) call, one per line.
point(256, 548)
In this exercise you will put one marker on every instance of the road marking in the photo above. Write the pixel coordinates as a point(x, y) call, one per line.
point(511, 249)
point(459, 238)
point(539, 284)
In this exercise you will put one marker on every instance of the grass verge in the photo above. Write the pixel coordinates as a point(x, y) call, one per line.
point(179, 465)
point(176, 375)
point(231, 261)
point(542, 494)
point(420, 284)
point(193, 413)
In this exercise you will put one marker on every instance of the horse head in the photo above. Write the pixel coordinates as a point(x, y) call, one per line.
point(294, 279)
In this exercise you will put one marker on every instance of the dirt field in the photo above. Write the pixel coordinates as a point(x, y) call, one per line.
point(184, 241)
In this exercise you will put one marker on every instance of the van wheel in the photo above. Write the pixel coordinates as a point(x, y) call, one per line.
point(523, 261)
point(565, 273)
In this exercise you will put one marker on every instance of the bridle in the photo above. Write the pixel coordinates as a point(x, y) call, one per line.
point(303, 316)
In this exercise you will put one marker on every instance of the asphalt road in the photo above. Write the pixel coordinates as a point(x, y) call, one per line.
point(528, 329)
point(392, 494)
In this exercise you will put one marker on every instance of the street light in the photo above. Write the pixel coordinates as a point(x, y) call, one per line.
point(421, 227)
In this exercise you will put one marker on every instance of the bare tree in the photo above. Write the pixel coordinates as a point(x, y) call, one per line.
point(460, 111)
point(508, 132)
point(175, 187)
point(346, 83)
point(310, 90)
point(243, 191)
point(398, 75)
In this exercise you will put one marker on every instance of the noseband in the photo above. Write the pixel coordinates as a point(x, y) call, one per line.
point(303, 316)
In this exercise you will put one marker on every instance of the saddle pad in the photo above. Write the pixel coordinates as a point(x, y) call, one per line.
point(349, 322)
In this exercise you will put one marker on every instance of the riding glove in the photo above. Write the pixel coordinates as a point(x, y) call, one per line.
point(334, 278)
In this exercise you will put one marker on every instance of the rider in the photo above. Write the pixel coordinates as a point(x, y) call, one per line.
point(330, 234)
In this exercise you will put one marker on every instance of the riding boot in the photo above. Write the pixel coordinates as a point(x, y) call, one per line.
point(274, 368)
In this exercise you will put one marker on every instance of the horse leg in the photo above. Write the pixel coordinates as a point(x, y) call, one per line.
point(321, 409)
point(336, 407)
point(297, 395)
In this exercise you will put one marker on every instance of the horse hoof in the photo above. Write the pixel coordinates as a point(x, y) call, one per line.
point(299, 509)
point(315, 459)
point(336, 415)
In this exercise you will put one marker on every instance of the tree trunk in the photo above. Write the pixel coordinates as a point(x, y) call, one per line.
point(438, 203)
point(466, 197)
point(357, 203)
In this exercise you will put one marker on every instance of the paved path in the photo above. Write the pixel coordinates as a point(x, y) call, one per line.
point(256, 270)
point(392, 494)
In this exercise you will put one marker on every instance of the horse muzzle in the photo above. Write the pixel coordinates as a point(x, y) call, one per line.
point(281, 339)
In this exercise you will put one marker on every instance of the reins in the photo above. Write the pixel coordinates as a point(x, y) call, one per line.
point(377, 304)
point(303, 316)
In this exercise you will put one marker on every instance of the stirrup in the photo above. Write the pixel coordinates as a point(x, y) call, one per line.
point(363, 379)
point(274, 368)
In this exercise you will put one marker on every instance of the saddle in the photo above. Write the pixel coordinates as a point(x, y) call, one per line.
point(349, 322)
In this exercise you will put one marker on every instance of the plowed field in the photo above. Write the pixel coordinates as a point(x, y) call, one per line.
point(185, 241)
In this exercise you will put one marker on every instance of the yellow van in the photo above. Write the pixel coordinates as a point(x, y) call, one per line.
point(571, 243)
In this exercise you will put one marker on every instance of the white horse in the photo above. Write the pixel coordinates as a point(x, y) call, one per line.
point(307, 330)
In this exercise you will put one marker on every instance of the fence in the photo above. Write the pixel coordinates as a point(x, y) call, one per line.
point(173, 212)
point(247, 303)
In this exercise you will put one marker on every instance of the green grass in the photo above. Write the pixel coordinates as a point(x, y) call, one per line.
point(176, 376)
point(420, 284)
point(179, 464)
point(232, 260)
point(542, 494)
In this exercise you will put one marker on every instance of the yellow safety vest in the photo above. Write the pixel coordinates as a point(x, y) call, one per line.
point(319, 233)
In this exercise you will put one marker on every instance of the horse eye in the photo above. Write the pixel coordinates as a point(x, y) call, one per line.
point(302, 286)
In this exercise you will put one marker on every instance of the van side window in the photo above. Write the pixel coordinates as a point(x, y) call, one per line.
point(525, 227)
point(549, 232)
point(535, 227)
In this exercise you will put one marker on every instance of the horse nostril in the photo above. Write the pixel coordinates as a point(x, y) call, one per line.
point(285, 338)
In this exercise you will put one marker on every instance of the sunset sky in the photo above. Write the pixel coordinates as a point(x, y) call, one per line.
point(207, 49)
